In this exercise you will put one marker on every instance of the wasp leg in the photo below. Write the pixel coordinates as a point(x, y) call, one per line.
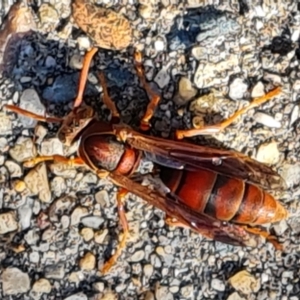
point(56, 158)
point(32, 115)
point(154, 98)
point(208, 130)
point(83, 75)
point(107, 100)
point(270, 238)
point(120, 200)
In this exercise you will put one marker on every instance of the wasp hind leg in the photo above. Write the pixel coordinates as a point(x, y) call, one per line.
point(213, 129)
point(123, 220)
point(265, 234)
point(154, 98)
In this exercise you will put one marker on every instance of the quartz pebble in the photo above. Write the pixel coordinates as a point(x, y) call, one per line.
point(49, 17)
point(37, 181)
point(187, 291)
point(245, 283)
point(268, 153)
point(5, 124)
point(102, 198)
point(51, 147)
point(23, 150)
point(238, 89)
point(162, 78)
point(266, 120)
point(14, 169)
point(87, 262)
point(58, 186)
point(100, 236)
point(25, 213)
point(290, 173)
point(87, 234)
point(84, 42)
point(30, 101)
point(92, 221)
point(40, 287)
point(78, 296)
point(138, 256)
point(218, 285)
point(78, 213)
point(76, 62)
point(186, 91)
point(14, 281)
point(8, 222)
point(258, 90)
point(162, 292)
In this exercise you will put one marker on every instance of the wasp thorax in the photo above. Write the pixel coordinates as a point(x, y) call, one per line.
point(104, 151)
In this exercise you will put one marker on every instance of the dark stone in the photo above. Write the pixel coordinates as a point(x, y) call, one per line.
point(65, 87)
point(198, 25)
point(244, 8)
point(281, 45)
point(118, 75)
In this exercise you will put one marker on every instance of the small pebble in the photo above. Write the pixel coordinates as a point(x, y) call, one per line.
point(14, 281)
point(159, 45)
point(245, 283)
point(238, 89)
point(78, 296)
point(56, 271)
point(37, 182)
point(266, 120)
point(8, 222)
point(87, 262)
point(138, 256)
point(92, 221)
point(84, 42)
point(41, 286)
point(78, 213)
point(87, 234)
point(268, 153)
point(218, 285)
point(100, 236)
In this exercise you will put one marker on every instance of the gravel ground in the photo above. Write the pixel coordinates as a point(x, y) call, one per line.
point(59, 224)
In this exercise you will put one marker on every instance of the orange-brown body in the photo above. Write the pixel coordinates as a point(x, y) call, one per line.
point(220, 197)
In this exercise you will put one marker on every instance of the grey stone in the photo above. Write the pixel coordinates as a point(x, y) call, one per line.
point(30, 101)
point(14, 281)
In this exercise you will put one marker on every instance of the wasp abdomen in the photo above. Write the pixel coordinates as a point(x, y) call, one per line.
point(224, 198)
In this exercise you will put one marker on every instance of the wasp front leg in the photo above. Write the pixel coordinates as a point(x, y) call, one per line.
point(213, 129)
point(124, 223)
point(154, 98)
point(83, 75)
point(107, 100)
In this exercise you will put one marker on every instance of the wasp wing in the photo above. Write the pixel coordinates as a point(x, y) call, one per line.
point(206, 226)
point(193, 157)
